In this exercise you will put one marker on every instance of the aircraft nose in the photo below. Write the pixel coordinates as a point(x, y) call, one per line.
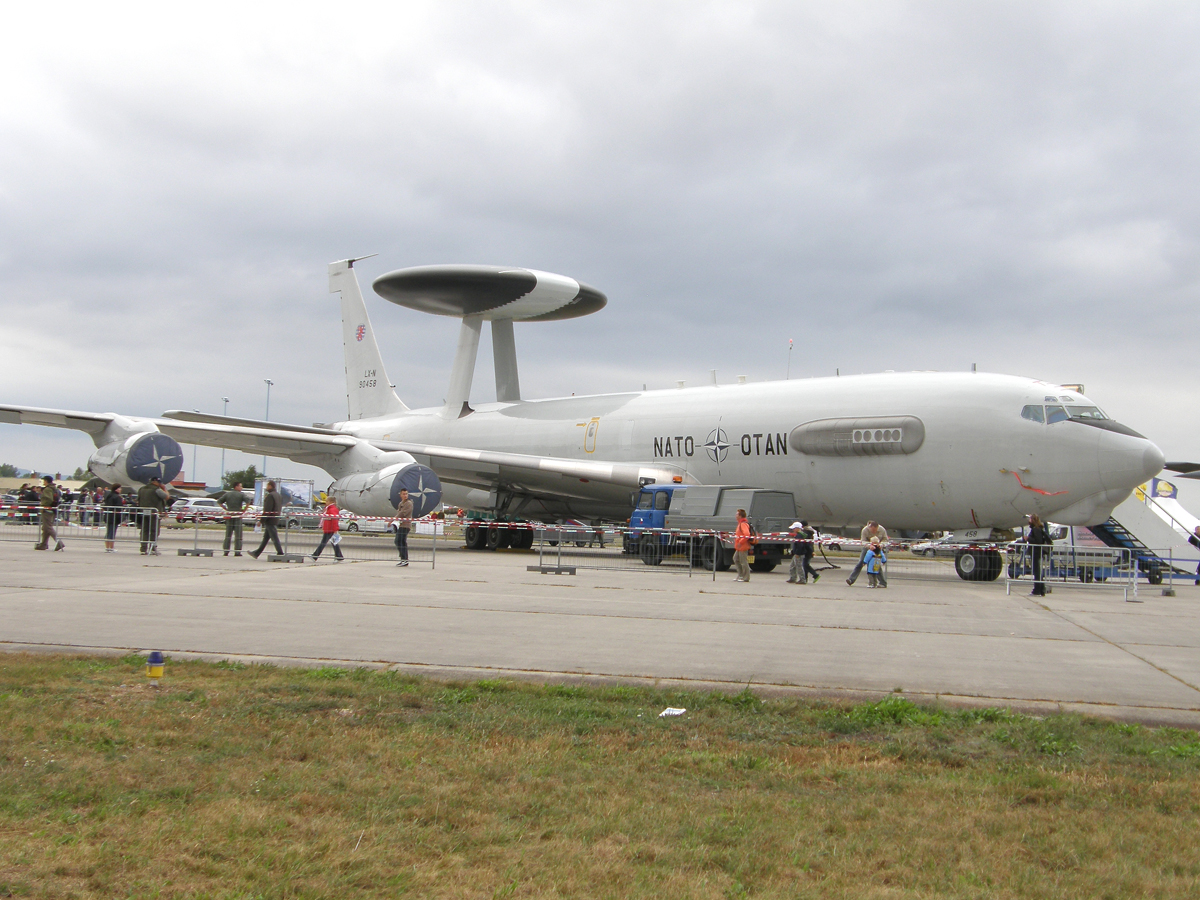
point(1152, 460)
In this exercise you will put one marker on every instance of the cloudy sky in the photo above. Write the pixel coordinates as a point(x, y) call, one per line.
point(892, 185)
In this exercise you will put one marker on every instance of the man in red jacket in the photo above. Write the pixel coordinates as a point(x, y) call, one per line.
point(331, 523)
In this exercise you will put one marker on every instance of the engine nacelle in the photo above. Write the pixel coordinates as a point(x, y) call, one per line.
point(137, 458)
point(378, 493)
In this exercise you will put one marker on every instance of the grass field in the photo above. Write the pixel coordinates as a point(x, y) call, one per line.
point(236, 782)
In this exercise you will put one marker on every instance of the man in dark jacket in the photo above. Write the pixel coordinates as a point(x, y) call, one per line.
point(1039, 541)
point(152, 503)
point(272, 506)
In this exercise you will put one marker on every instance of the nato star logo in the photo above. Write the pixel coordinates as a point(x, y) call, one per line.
point(159, 462)
point(424, 489)
point(717, 445)
point(154, 455)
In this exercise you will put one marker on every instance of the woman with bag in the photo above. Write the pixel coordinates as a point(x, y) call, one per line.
point(331, 523)
point(113, 504)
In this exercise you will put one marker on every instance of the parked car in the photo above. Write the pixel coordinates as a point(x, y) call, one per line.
point(944, 546)
point(200, 509)
point(366, 524)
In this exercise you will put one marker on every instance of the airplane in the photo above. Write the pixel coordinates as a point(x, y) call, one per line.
point(929, 451)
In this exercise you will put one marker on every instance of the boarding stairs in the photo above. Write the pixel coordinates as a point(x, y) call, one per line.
point(1157, 539)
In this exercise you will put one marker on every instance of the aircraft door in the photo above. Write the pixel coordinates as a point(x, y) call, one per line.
point(589, 435)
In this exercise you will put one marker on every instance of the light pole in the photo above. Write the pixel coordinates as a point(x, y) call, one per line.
point(194, 446)
point(224, 412)
point(267, 418)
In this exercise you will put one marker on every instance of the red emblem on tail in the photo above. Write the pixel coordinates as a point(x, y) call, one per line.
point(362, 329)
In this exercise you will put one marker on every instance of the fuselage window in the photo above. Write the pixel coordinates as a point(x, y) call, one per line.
point(1033, 414)
point(1086, 412)
point(662, 500)
point(1055, 414)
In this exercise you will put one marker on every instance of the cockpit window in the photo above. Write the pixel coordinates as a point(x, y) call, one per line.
point(646, 500)
point(1033, 414)
point(1055, 414)
point(1086, 412)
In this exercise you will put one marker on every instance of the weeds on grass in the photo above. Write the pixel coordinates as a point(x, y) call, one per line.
point(255, 781)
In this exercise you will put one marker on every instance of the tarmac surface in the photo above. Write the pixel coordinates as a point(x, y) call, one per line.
point(483, 615)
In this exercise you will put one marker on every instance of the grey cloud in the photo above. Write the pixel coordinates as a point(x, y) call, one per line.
point(893, 185)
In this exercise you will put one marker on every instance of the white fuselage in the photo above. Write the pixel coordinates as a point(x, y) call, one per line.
point(980, 464)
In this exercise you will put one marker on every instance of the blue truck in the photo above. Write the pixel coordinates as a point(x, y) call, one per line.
point(698, 521)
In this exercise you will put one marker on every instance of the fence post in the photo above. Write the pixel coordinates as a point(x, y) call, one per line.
point(433, 565)
point(560, 543)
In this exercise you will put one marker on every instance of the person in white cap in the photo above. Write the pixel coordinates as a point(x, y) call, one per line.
point(802, 553)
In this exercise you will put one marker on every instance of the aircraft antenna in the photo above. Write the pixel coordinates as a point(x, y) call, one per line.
point(789, 368)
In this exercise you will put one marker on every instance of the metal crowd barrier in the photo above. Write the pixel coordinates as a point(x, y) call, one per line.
point(1072, 566)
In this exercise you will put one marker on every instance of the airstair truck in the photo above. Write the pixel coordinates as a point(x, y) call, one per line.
point(699, 521)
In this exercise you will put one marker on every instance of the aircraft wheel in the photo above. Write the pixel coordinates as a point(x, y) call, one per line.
point(352, 528)
point(978, 565)
point(994, 560)
point(475, 537)
point(496, 538)
point(1087, 576)
point(1155, 576)
point(651, 550)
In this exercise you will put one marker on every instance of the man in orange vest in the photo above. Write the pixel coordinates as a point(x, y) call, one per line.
point(741, 546)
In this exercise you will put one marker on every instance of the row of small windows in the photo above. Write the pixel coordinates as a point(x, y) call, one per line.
point(886, 434)
point(1050, 414)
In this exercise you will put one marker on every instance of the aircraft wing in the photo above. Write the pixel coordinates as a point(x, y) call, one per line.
point(534, 475)
point(484, 469)
point(304, 446)
point(1185, 469)
point(92, 423)
point(523, 474)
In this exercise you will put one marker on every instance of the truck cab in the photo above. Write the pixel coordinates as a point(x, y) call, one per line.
point(653, 504)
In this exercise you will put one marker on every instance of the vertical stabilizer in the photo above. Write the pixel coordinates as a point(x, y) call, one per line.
point(369, 393)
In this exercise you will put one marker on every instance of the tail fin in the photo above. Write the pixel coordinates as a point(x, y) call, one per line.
point(368, 391)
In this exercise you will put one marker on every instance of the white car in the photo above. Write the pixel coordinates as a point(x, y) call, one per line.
point(201, 509)
point(945, 546)
point(352, 524)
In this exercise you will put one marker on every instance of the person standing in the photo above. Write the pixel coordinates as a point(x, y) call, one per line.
point(233, 501)
point(152, 503)
point(272, 506)
point(796, 574)
point(808, 545)
point(404, 514)
point(113, 503)
point(1194, 540)
point(48, 502)
point(872, 532)
point(331, 524)
point(742, 542)
point(875, 561)
point(27, 501)
point(1039, 540)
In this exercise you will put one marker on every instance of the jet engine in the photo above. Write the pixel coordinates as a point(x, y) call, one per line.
point(378, 493)
point(137, 458)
